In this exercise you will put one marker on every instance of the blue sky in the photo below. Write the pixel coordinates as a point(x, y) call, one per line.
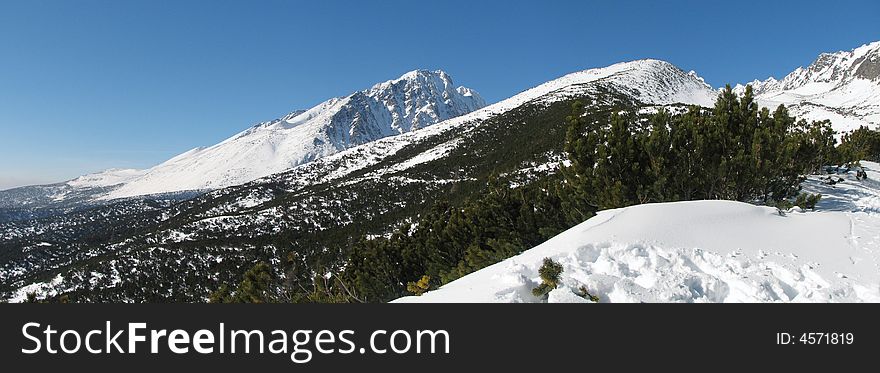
point(90, 85)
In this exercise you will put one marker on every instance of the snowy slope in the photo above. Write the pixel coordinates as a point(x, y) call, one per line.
point(652, 82)
point(842, 86)
point(77, 192)
point(649, 81)
point(704, 251)
point(108, 178)
point(415, 100)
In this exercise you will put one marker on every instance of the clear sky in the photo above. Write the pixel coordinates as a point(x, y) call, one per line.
point(88, 85)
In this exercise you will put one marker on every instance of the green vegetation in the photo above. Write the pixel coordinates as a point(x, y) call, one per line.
point(733, 151)
point(419, 287)
point(584, 293)
point(549, 273)
point(861, 144)
point(807, 201)
point(256, 287)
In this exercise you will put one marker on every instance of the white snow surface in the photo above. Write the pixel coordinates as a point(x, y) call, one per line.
point(650, 81)
point(843, 87)
point(111, 177)
point(703, 251)
point(415, 100)
point(42, 289)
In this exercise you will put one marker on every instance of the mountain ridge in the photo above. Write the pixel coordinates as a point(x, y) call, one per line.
point(842, 86)
point(840, 92)
point(417, 99)
point(367, 189)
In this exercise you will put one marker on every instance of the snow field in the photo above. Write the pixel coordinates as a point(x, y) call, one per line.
point(704, 251)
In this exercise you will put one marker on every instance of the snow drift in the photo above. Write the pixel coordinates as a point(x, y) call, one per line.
point(704, 251)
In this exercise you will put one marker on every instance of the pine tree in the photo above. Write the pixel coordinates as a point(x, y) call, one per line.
point(419, 287)
point(31, 297)
point(736, 151)
point(660, 159)
point(859, 144)
point(221, 295)
point(549, 273)
point(581, 142)
point(257, 286)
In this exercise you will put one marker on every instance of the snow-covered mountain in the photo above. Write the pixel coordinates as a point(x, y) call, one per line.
point(367, 189)
point(415, 100)
point(24, 202)
point(842, 86)
point(108, 178)
point(647, 82)
point(703, 251)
